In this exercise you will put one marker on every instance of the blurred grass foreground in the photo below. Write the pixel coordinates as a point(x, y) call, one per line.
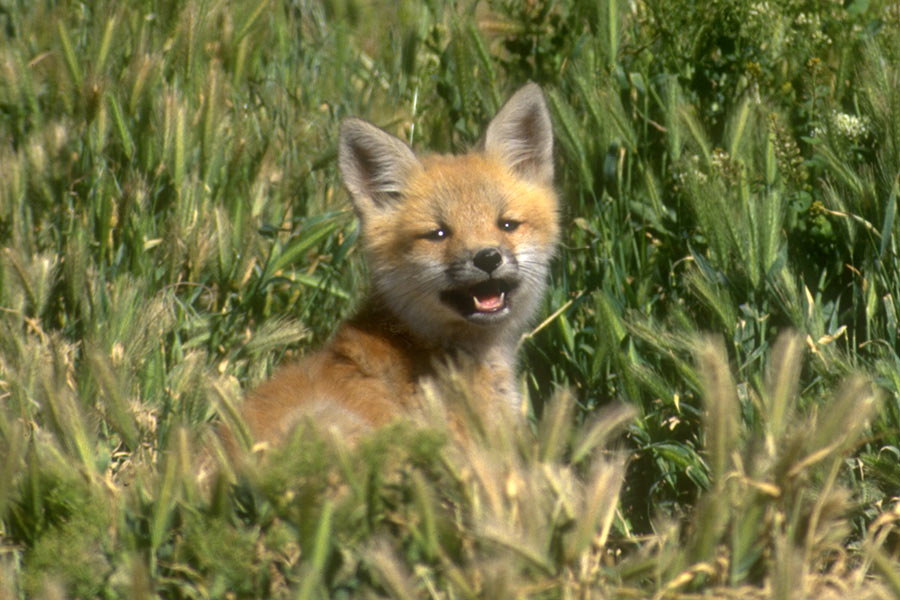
point(714, 384)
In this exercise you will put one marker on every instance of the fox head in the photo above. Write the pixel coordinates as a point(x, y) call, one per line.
point(458, 246)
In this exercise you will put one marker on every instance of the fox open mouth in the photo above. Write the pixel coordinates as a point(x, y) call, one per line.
point(485, 298)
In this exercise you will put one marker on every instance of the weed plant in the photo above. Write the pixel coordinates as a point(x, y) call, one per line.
point(714, 386)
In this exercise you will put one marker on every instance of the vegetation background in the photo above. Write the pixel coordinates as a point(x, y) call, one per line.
point(724, 311)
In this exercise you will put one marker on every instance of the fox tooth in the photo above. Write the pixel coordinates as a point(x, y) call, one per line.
point(491, 306)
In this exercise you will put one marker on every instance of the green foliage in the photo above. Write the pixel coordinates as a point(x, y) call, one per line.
point(172, 225)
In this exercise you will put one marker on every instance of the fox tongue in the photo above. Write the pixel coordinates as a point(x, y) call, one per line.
point(488, 302)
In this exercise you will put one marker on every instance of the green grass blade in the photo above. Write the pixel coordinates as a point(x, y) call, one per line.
point(69, 54)
point(890, 212)
point(122, 129)
point(105, 43)
point(315, 571)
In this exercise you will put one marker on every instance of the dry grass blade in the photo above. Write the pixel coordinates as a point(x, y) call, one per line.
point(598, 431)
point(601, 499)
point(721, 403)
point(391, 571)
point(847, 415)
point(782, 381)
point(117, 411)
point(554, 427)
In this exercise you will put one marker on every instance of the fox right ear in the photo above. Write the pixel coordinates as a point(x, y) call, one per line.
point(374, 164)
point(521, 135)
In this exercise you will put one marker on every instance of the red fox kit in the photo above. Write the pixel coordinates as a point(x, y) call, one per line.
point(458, 248)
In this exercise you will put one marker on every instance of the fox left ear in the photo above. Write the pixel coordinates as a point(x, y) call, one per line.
point(522, 137)
point(375, 165)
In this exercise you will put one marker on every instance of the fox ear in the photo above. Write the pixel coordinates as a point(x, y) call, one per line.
point(521, 135)
point(374, 164)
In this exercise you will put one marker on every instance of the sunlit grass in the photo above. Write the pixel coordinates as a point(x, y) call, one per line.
point(713, 383)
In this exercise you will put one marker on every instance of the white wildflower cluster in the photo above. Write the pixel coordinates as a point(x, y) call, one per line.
point(813, 24)
point(689, 171)
point(851, 128)
point(720, 159)
point(760, 9)
point(758, 22)
point(805, 19)
point(782, 29)
point(692, 170)
point(891, 13)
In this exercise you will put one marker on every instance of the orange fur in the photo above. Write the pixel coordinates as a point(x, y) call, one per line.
point(458, 247)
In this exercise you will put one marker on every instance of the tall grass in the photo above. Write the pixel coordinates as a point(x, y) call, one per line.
point(714, 388)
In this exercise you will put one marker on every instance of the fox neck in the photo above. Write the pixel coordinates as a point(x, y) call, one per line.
point(482, 354)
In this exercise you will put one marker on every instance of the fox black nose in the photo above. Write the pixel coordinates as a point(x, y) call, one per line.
point(488, 259)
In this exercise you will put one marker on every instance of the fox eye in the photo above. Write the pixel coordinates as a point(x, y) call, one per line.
point(509, 225)
point(436, 235)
